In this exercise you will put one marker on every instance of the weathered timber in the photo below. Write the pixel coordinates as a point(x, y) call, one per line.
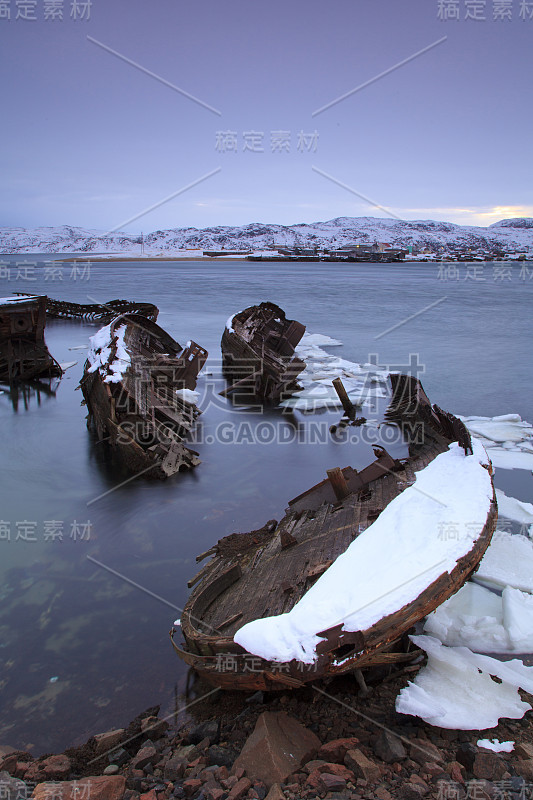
point(258, 352)
point(263, 573)
point(133, 385)
point(98, 312)
point(23, 351)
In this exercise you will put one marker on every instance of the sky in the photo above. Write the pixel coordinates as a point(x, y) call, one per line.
point(146, 116)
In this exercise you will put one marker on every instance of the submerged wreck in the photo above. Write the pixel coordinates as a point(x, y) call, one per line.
point(357, 560)
point(23, 351)
point(258, 352)
point(138, 385)
point(99, 312)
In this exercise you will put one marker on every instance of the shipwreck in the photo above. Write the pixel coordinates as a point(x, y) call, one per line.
point(138, 385)
point(356, 561)
point(258, 352)
point(23, 351)
point(99, 312)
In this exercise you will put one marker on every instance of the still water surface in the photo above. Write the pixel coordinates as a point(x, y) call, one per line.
point(81, 649)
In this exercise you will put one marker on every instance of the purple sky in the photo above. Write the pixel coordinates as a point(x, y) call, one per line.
point(91, 140)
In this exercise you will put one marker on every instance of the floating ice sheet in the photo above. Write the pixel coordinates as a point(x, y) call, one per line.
point(514, 509)
point(363, 382)
point(455, 689)
point(508, 561)
point(477, 618)
point(508, 439)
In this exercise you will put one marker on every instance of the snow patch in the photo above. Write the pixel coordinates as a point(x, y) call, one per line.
point(455, 690)
point(496, 746)
point(100, 353)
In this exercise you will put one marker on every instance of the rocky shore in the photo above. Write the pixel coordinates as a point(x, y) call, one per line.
point(324, 741)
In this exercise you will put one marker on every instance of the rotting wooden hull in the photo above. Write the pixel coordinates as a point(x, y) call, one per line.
point(258, 352)
point(99, 312)
point(266, 572)
point(140, 416)
point(23, 351)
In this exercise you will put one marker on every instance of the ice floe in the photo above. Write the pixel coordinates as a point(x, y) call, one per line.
point(507, 438)
point(405, 541)
point(514, 509)
point(456, 690)
point(363, 382)
point(508, 561)
point(477, 618)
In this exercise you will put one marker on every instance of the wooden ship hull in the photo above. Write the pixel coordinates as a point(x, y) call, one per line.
point(266, 572)
point(23, 351)
point(258, 352)
point(135, 395)
point(98, 312)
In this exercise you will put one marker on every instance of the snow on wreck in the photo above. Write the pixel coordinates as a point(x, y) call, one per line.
point(138, 385)
point(355, 563)
point(258, 355)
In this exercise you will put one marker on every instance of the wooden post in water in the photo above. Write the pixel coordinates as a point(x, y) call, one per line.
point(349, 408)
point(338, 482)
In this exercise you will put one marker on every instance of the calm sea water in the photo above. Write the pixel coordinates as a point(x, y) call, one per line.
point(82, 649)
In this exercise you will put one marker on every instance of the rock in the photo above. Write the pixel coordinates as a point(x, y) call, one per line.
point(207, 730)
point(95, 788)
point(221, 756)
point(382, 794)
point(317, 763)
point(112, 769)
point(412, 791)
point(107, 741)
point(240, 789)
point(466, 755)
point(332, 783)
point(12, 788)
point(174, 768)
point(154, 726)
point(215, 793)
point(6, 749)
point(275, 793)
point(524, 768)
point(191, 786)
point(361, 766)
point(522, 750)
point(435, 769)
point(278, 746)
point(455, 770)
point(146, 755)
point(119, 756)
point(419, 781)
point(335, 750)
point(389, 748)
point(489, 765)
point(422, 750)
point(256, 697)
point(450, 789)
point(56, 767)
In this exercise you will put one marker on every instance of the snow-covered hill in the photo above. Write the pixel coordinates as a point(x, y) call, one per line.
point(507, 235)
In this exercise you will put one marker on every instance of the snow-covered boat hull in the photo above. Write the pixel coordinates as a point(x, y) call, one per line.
point(137, 385)
point(265, 573)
